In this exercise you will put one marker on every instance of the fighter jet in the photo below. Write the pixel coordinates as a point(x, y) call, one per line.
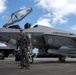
point(46, 39)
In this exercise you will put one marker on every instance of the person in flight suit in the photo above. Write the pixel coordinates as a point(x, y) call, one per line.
point(23, 43)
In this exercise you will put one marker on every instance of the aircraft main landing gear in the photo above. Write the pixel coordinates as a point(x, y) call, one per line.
point(62, 58)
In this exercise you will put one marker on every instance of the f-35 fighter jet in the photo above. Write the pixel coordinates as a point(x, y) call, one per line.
point(46, 39)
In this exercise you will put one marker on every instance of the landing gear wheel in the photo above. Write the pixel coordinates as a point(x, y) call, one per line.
point(62, 58)
point(31, 59)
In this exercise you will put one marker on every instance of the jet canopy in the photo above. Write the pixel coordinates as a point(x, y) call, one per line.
point(17, 16)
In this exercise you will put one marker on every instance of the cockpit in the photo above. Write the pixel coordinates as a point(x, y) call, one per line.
point(16, 17)
point(26, 26)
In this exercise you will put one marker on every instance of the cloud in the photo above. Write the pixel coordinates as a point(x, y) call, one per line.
point(73, 27)
point(3, 5)
point(45, 21)
point(59, 9)
point(22, 7)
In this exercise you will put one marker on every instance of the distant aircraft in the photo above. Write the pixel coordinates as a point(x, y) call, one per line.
point(46, 39)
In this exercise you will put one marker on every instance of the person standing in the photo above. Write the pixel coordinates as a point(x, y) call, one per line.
point(23, 43)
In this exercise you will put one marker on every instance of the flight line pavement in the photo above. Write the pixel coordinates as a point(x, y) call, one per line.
point(41, 66)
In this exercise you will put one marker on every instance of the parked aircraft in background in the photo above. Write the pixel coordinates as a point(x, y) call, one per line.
point(46, 39)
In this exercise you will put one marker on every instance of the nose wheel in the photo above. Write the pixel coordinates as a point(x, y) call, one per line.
point(31, 60)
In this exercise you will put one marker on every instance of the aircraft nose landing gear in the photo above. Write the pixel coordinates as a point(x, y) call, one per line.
point(62, 58)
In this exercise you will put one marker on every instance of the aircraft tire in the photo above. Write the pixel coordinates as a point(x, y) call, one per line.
point(62, 58)
point(31, 59)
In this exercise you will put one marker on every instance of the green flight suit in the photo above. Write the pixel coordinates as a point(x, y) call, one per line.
point(22, 43)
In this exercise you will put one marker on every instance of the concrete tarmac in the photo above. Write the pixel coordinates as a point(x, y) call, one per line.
point(41, 66)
